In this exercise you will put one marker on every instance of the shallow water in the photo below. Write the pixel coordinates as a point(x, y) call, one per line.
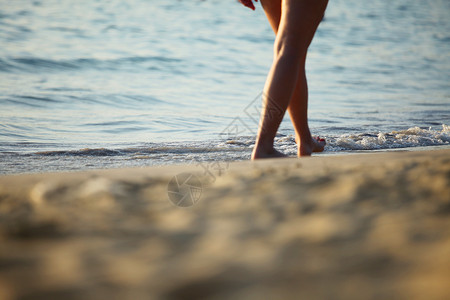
point(95, 84)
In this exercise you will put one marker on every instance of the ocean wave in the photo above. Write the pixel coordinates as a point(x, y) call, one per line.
point(227, 149)
point(37, 157)
point(32, 64)
point(411, 137)
point(177, 149)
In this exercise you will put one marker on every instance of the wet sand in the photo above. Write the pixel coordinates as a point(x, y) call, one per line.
point(365, 226)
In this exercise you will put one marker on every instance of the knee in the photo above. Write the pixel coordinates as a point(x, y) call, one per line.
point(290, 45)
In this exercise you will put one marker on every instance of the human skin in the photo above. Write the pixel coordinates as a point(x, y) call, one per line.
point(294, 23)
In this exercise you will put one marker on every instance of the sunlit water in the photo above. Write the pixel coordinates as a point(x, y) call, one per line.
point(96, 84)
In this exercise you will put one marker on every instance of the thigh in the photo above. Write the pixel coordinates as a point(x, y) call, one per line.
point(300, 19)
point(272, 8)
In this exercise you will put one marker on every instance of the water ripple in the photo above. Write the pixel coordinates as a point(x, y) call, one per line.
point(33, 64)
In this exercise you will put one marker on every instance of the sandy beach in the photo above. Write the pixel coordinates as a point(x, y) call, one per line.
point(360, 226)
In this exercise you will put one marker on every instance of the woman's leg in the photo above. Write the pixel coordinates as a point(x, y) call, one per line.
point(298, 111)
point(294, 22)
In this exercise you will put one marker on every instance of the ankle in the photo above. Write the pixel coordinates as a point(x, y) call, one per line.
point(305, 139)
point(266, 144)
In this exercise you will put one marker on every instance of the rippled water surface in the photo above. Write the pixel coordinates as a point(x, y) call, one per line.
point(93, 84)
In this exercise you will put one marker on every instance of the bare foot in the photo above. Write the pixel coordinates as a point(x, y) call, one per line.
point(259, 153)
point(307, 148)
point(319, 144)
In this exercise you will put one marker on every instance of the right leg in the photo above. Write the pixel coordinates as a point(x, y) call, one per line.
point(298, 111)
point(294, 23)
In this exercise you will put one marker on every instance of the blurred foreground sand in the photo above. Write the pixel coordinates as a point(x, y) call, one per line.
point(367, 226)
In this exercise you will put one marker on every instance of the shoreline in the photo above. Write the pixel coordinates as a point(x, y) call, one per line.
point(182, 165)
point(371, 225)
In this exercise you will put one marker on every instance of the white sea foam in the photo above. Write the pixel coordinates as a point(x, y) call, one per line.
point(411, 137)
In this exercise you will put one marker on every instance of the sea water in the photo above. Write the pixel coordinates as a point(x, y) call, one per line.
point(100, 84)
